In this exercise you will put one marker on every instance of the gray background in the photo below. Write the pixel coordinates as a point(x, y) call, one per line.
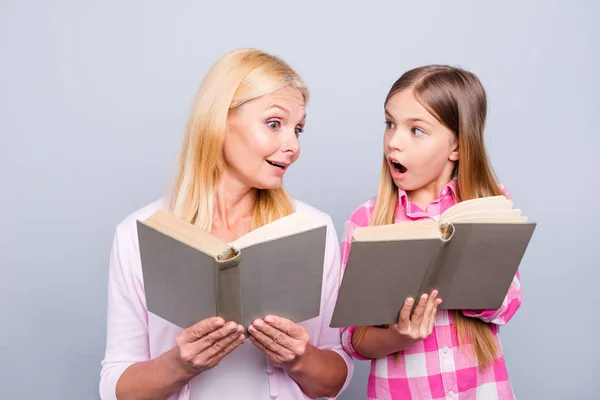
point(94, 96)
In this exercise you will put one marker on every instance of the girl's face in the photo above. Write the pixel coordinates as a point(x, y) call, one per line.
point(261, 140)
point(420, 151)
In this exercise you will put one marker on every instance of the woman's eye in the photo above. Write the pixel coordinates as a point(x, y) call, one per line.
point(418, 131)
point(274, 124)
point(389, 125)
point(299, 131)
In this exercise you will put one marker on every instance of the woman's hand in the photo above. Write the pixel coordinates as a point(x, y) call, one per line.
point(203, 345)
point(411, 329)
point(284, 342)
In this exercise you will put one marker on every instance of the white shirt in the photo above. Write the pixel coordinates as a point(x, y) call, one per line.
point(135, 335)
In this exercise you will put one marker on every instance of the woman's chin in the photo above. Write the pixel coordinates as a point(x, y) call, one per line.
point(267, 184)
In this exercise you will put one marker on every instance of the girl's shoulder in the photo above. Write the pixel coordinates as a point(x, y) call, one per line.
point(361, 215)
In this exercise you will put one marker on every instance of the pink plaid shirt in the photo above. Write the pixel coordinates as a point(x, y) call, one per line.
point(437, 367)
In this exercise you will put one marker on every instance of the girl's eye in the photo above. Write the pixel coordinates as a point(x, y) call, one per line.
point(418, 131)
point(299, 131)
point(274, 125)
point(389, 125)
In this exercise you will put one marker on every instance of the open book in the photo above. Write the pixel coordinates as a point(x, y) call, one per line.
point(190, 274)
point(470, 256)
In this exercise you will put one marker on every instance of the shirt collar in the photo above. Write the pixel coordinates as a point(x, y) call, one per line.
point(449, 189)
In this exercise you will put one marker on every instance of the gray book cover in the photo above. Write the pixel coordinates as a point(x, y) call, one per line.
point(281, 277)
point(471, 270)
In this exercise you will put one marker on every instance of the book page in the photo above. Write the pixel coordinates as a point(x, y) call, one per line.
point(422, 229)
point(186, 233)
point(482, 205)
point(490, 214)
point(297, 222)
point(491, 220)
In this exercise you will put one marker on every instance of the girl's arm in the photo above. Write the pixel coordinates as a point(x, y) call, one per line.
point(511, 302)
point(507, 310)
point(359, 218)
point(372, 342)
point(375, 342)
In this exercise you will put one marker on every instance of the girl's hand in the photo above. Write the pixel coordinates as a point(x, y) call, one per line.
point(203, 345)
point(410, 330)
point(283, 341)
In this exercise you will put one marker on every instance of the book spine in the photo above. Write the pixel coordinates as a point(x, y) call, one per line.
point(229, 288)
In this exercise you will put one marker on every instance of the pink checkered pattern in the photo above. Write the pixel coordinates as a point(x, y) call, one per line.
point(437, 367)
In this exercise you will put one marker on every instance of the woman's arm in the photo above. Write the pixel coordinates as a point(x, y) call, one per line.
point(199, 348)
point(318, 372)
point(320, 366)
point(127, 371)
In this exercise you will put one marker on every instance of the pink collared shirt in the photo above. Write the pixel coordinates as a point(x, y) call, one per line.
point(135, 335)
point(437, 367)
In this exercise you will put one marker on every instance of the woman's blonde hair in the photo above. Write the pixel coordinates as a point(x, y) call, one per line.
point(457, 99)
point(236, 78)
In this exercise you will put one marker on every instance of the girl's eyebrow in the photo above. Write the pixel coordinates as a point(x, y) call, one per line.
point(419, 120)
point(413, 120)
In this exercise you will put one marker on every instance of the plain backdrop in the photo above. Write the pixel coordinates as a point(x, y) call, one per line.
point(94, 97)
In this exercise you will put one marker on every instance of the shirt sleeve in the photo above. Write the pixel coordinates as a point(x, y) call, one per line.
point(127, 318)
point(507, 310)
point(511, 302)
point(358, 218)
point(329, 338)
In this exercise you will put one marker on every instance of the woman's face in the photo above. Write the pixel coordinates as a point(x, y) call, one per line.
point(261, 139)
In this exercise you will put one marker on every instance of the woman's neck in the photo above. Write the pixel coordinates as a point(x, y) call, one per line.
point(232, 212)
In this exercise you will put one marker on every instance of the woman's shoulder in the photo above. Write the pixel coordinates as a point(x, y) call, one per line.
point(313, 211)
point(126, 228)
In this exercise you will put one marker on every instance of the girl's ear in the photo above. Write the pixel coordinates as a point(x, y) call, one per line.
point(455, 155)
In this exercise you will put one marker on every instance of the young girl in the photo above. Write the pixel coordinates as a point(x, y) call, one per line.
point(434, 156)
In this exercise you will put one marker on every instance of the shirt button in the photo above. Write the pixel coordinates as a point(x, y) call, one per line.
point(269, 372)
point(273, 395)
point(451, 394)
point(445, 350)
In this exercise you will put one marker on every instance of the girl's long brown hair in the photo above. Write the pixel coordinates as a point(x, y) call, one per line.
point(457, 99)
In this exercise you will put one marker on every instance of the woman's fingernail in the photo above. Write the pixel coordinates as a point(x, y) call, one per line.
point(251, 329)
point(258, 323)
point(231, 326)
point(409, 302)
point(269, 319)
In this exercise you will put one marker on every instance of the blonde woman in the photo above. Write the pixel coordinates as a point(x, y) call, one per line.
point(241, 137)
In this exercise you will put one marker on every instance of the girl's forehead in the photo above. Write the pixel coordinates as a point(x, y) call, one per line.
point(404, 105)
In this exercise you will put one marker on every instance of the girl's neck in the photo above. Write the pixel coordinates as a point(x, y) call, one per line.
point(427, 194)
